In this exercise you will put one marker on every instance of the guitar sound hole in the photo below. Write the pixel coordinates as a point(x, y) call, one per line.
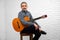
point(18, 25)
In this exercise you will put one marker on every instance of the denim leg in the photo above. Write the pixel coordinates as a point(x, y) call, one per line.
point(31, 29)
point(28, 30)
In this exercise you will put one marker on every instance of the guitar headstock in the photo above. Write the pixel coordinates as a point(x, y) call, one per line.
point(44, 16)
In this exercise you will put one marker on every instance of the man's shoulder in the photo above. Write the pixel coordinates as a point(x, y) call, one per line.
point(28, 11)
point(20, 12)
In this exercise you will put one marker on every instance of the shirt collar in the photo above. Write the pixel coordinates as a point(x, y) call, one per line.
point(25, 11)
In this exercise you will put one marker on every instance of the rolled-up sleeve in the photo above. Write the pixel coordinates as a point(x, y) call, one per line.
point(21, 17)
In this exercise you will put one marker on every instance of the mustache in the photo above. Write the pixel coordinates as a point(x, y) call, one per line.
point(24, 8)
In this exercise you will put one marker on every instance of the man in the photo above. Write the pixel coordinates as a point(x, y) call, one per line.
point(33, 27)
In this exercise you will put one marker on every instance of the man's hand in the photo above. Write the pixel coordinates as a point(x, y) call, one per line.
point(36, 26)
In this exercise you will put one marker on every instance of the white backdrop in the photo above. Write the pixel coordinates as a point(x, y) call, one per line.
point(37, 8)
point(2, 20)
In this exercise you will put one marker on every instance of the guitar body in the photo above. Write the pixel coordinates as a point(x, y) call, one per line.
point(17, 24)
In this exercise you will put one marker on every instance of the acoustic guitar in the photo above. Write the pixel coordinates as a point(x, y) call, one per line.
point(18, 25)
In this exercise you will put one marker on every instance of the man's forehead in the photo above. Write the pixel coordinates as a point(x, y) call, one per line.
point(24, 4)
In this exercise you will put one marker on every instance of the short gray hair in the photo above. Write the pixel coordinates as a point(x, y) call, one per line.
point(23, 3)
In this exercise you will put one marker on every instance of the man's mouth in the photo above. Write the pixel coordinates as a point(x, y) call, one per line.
point(24, 8)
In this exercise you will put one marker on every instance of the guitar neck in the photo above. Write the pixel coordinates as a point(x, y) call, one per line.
point(44, 16)
point(36, 18)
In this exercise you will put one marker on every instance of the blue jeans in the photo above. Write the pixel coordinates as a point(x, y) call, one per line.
point(31, 29)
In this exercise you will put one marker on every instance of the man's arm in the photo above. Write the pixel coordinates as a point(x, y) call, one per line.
point(34, 21)
point(20, 16)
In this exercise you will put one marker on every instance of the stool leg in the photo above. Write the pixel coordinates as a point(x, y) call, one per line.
point(31, 37)
point(21, 37)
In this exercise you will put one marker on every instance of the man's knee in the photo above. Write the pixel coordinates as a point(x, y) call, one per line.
point(32, 27)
